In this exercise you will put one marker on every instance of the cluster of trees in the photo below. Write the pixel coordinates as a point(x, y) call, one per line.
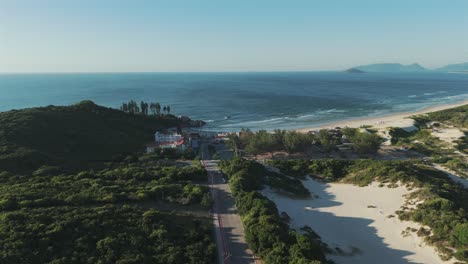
point(291, 141)
point(145, 108)
point(263, 141)
point(291, 186)
point(363, 142)
point(267, 233)
point(445, 204)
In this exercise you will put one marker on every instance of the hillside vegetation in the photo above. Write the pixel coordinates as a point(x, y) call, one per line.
point(75, 189)
point(76, 134)
point(426, 142)
point(457, 116)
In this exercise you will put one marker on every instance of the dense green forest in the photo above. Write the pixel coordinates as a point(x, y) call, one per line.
point(116, 183)
point(75, 188)
point(107, 216)
point(107, 234)
point(267, 233)
point(445, 204)
point(78, 134)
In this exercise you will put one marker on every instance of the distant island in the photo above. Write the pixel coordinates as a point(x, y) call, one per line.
point(389, 67)
point(354, 70)
point(398, 67)
point(459, 67)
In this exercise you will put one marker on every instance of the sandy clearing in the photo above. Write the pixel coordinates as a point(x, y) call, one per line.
point(448, 134)
point(356, 219)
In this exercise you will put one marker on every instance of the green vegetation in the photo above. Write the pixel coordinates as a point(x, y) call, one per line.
point(144, 108)
point(266, 231)
point(327, 141)
point(363, 142)
point(108, 234)
point(74, 189)
point(440, 151)
point(445, 204)
point(293, 142)
point(77, 135)
point(457, 116)
point(263, 141)
point(117, 183)
point(421, 141)
point(287, 184)
point(462, 143)
point(168, 153)
point(107, 216)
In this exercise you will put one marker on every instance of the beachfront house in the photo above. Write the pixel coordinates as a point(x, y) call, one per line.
point(164, 140)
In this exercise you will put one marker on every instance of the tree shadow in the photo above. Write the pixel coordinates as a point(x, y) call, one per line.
point(351, 239)
point(232, 228)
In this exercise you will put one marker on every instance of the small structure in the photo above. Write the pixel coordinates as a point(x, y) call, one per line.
point(194, 141)
point(160, 137)
point(172, 140)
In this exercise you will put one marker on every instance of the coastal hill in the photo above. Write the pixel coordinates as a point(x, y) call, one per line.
point(84, 132)
point(459, 67)
point(390, 67)
point(75, 187)
point(398, 67)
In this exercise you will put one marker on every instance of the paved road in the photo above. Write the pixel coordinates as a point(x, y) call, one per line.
point(230, 239)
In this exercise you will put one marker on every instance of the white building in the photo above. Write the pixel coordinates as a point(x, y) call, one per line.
point(164, 138)
point(164, 141)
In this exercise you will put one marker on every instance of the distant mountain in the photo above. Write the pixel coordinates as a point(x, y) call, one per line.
point(354, 70)
point(390, 67)
point(459, 67)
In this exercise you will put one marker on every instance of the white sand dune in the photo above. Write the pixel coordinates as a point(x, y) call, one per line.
point(358, 221)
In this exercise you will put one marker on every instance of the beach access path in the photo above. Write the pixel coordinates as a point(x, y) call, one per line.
point(230, 239)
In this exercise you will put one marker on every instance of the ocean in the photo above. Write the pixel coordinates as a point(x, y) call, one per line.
point(231, 101)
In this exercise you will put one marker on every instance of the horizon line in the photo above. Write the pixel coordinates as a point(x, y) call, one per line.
point(214, 71)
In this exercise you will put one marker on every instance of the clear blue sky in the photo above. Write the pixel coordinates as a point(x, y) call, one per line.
point(218, 35)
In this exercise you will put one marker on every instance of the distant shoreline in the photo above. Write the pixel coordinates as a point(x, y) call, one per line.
point(396, 120)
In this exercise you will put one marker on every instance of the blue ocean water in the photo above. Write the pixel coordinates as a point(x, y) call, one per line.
point(251, 100)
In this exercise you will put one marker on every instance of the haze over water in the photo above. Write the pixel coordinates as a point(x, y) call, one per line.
point(230, 101)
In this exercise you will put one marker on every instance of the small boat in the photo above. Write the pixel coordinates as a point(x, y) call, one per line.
point(227, 117)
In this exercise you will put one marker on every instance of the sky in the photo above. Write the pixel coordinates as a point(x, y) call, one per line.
point(221, 35)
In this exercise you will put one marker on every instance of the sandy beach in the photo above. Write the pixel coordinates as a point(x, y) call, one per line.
point(359, 223)
point(394, 120)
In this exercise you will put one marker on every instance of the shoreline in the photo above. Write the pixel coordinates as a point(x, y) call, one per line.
point(396, 120)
